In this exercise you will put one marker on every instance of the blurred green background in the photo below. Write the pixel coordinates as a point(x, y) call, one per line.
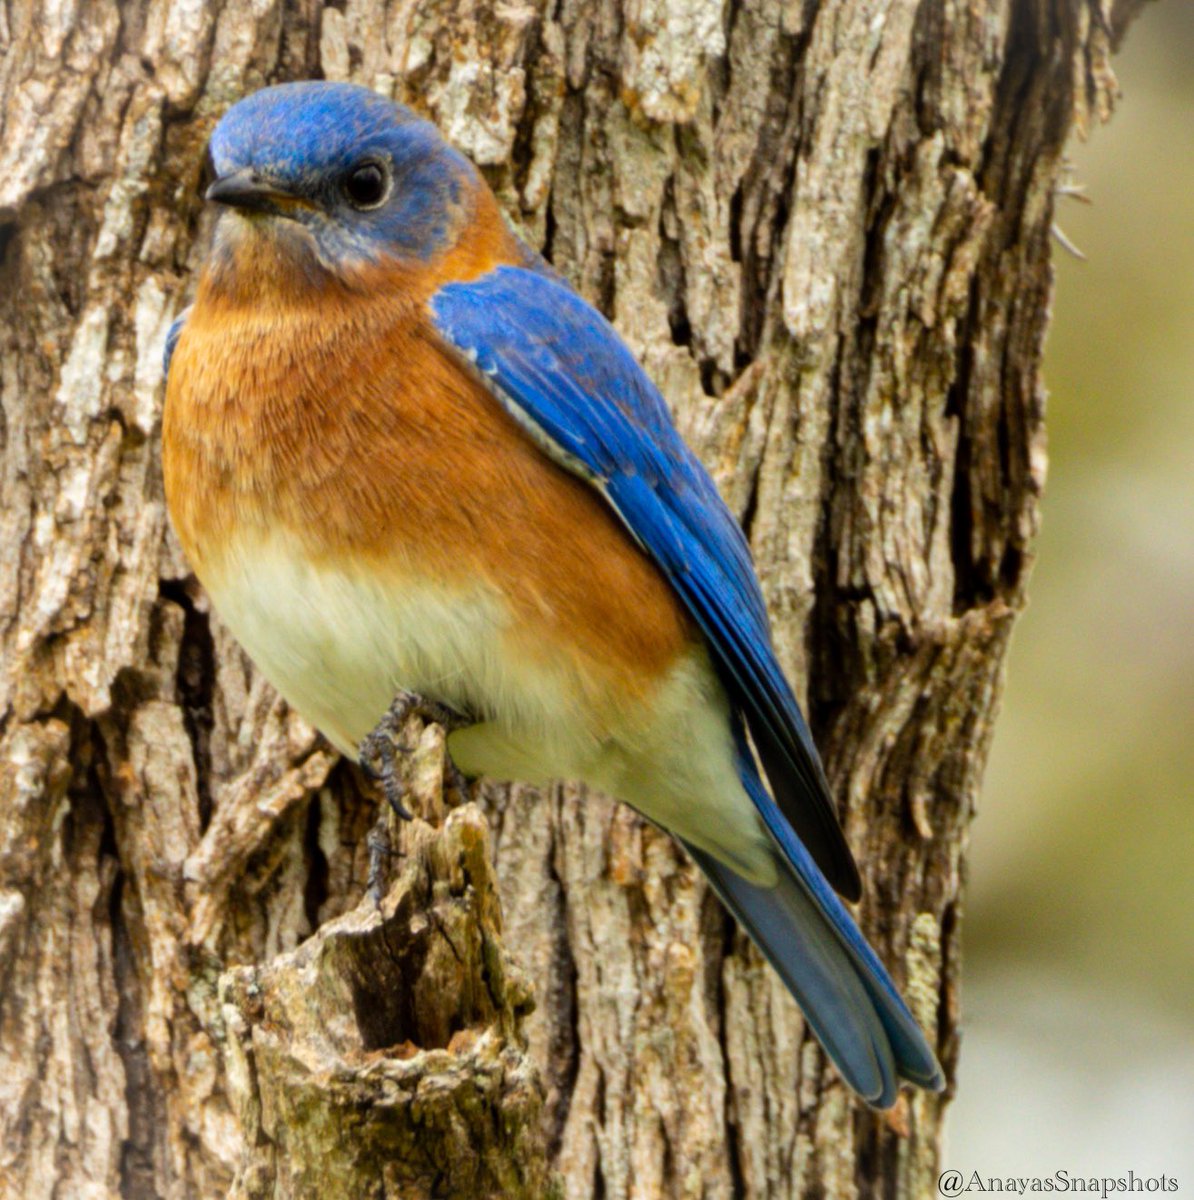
point(1078, 979)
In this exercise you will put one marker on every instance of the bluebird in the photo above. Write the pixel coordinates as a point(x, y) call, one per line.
point(405, 458)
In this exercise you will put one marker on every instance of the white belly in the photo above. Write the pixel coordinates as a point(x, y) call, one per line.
point(339, 642)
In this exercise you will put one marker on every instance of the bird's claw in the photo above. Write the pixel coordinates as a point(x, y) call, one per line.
point(378, 756)
point(378, 751)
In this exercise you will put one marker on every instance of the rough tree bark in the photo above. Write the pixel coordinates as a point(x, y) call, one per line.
point(824, 227)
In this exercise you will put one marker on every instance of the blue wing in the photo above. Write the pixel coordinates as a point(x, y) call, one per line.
point(561, 370)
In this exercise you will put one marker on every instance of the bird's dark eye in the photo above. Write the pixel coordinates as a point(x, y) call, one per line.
point(365, 185)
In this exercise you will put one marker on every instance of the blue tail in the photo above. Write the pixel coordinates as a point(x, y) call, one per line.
point(845, 993)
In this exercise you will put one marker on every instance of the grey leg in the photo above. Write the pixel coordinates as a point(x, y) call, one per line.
point(378, 756)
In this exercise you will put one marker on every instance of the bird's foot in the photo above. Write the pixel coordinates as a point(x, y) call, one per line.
point(378, 755)
point(379, 749)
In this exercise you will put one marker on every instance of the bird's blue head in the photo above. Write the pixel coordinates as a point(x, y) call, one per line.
point(340, 175)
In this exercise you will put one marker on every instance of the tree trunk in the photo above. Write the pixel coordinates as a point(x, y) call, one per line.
point(824, 228)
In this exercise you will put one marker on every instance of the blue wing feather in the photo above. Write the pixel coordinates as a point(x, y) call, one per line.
point(172, 339)
point(561, 370)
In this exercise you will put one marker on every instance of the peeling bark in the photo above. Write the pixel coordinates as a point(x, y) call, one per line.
point(824, 229)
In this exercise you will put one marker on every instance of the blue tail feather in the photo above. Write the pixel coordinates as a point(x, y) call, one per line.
point(844, 991)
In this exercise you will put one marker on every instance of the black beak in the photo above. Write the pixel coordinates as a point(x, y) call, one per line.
point(246, 189)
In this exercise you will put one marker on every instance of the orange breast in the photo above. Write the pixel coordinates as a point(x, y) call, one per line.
point(339, 417)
